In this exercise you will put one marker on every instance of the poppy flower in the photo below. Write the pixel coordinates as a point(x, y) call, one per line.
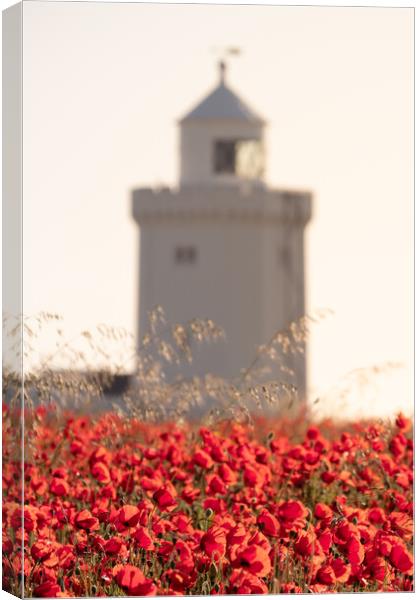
point(128, 516)
point(328, 476)
point(182, 523)
point(100, 472)
point(243, 582)
point(216, 485)
point(355, 551)
point(190, 493)
point(213, 542)
point(402, 524)
point(30, 518)
point(144, 539)
point(133, 581)
point(7, 545)
point(48, 589)
point(290, 588)
point(402, 422)
point(307, 545)
point(323, 512)
point(45, 551)
point(115, 547)
point(101, 454)
point(202, 459)
point(59, 487)
point(401, 559)
point(165, 498)
point(66, 556)
point(268, 523)
point(255, 559)
point(85, 520)
point(39, 485)
point(186, 559)
point(218, 505)
point(326, 575)
point(325, 540)
point(376, 516)
point(227, 474)
point(342, 571)
point(378, 568)
point(292, 510)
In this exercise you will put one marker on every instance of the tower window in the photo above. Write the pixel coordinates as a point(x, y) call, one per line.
point(225, 156)
point(242, 157)
point(185, 255)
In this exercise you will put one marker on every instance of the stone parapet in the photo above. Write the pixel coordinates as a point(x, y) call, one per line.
point(254, 203)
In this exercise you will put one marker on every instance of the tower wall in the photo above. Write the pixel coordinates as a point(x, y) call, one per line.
point(248, 273)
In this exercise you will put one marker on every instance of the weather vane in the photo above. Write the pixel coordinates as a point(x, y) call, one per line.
point(223, 52)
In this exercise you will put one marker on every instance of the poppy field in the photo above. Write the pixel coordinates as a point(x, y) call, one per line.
point(116, 507)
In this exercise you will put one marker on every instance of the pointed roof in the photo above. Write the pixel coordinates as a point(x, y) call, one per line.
point(223, 103)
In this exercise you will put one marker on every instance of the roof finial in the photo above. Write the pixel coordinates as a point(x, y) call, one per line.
point(222, 70)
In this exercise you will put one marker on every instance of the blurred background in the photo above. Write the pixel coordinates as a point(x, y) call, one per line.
point(104, 86)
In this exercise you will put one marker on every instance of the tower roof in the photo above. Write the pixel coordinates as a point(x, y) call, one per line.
point(223, 103)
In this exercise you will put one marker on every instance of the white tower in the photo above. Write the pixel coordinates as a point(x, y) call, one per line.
point(223, 246)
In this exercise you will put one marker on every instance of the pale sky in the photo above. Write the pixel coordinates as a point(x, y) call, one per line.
point(103, 87)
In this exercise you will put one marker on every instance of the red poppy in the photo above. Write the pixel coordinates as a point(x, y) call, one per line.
point(59, 487)
point(128, 516)
point(326, 575)
point(328, 476)
point(342, 570)
point(268, 523)
point(186, 558)
point(165, 497)
point(133, 581)
point(115, 547)
point(355, 551)
point(202, 459)
point(292, 510)
point(144, 539)
point(255, 559)
point(325, 540)
point(101, 472)
point(376, 515)
point(39, 485)
point(213, 542)
point(402, 422)
point(216, 485)
point(402, 524)
point(243, 582)
point(85, 520)
point(401, 559)
point(49, 589)
point(378, 568)
point(227, 474)
point(324, 512)
point(45, 551)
